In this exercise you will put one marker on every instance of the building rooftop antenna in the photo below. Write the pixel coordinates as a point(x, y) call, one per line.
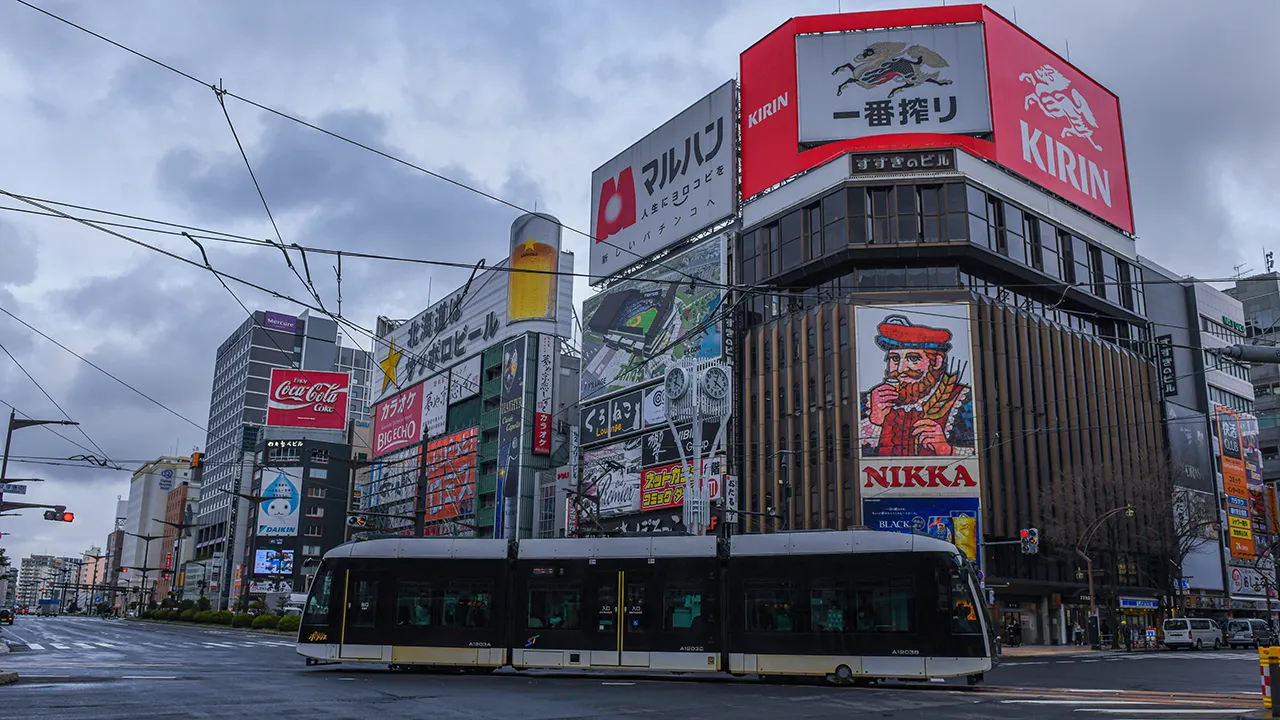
point(1241, 270)
point(1270, 259)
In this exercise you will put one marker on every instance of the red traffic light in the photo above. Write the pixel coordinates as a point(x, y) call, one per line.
point(68, 516)
point(1026, 534)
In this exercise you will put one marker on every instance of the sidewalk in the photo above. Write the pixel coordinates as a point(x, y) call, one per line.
point(1040, 650)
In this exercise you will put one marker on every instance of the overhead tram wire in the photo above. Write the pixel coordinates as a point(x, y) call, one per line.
point(331, 133)
point(46, 427)
point(55, 403)
point(93, 365)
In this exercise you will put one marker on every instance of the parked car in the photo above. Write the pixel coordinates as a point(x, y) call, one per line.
point(1246, 632)
point(1198, 633)
point(6, 616)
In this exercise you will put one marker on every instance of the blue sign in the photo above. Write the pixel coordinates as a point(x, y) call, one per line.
point(1232, 499)
point(1139, 603)
point(1238, 512)
point(952, 519)
point(48, 601)
point(97, 598)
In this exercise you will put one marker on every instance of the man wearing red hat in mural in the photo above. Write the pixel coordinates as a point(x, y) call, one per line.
point(922, 408)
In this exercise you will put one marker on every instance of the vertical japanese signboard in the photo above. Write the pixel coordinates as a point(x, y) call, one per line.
point(917, 437)
point(544, 395)
point(677, 181)
point(1235, 483)
point(451, 476)
point(510, 429)
point(435, 404)
point(1168, 370)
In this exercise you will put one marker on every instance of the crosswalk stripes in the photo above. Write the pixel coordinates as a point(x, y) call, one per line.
point(75, 646)
point(1135, 709)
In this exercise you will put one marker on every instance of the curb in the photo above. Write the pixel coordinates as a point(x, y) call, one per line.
point(182, 623)
point(7, 678)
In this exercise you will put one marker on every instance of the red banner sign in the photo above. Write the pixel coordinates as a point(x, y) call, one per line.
point(308, 399)
point(397, 421)
point(451, 475)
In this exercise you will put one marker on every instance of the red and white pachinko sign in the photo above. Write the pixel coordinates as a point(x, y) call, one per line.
point(1055, 126)
point(397, 421)
point(311, 399)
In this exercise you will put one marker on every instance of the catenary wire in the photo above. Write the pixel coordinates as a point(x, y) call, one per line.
point(46, 427)
point(55, 403)
point(330, 133)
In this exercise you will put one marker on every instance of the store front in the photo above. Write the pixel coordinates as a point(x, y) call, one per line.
point(1141, 617)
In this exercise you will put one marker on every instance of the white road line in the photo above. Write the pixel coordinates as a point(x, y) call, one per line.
point(35, 646)
point(148, 677)
point(106, 645)
point(1081, 701)
point(218, 644)
point(87, 646)
point(60, 647)
point(618, 683)
point(1170, 711)
point(249, 644)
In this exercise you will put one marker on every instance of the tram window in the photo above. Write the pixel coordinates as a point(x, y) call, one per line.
point(466, 605)
point(417, 603)
point(770, 607)
point(964, 613)
point(554, 606)
point(828, 607)
point(681, 607)
point(888, 606)
point(364, 606)
point(318, 604)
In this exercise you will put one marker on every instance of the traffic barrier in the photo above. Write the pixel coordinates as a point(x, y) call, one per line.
point(1268, 658)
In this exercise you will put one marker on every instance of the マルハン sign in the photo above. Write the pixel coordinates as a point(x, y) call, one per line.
point(677, 181)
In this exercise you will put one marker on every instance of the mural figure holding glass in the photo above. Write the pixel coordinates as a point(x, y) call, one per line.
point(922, 405)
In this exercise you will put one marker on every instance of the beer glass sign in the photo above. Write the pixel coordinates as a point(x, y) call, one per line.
point(535, 255)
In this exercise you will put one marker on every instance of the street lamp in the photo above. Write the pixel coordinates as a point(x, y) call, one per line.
point(1096, 643)
point(146, 558)
point(17, 423)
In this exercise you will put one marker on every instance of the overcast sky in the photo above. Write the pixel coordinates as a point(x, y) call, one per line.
point(522, 103)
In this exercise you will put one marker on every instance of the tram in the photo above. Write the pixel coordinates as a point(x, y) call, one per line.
point(854, 606)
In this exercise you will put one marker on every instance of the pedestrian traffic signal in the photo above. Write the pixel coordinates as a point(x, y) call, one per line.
point(59, 514)
point(1030, 541)
point(356, 521)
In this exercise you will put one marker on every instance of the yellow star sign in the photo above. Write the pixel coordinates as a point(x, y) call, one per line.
point(389, 367)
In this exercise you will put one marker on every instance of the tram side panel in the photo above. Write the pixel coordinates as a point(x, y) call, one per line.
point(853, 615)
point(415, 611)
point(661, 613)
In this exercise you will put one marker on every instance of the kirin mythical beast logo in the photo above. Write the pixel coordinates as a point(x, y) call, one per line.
point(893, 63)
point(1050, 95)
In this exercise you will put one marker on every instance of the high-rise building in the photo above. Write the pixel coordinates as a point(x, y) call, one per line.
point(149, 490)
point(238, 417)
point(1260, 296)
point(46, 578)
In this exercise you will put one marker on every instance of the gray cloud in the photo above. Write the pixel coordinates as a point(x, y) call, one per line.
point(521, 100)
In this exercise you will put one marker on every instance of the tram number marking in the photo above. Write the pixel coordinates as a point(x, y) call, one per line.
point(478, 644)
point(693, 648)
point(905, 652)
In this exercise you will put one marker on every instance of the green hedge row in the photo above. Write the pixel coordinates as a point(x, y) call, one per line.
point(224, 617)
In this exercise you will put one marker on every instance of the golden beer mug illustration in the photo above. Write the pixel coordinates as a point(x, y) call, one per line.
point(535, 254)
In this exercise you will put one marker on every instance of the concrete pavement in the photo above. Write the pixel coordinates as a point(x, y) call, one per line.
point(94, 669)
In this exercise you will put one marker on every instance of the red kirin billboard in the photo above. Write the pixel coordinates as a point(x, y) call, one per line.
point(308, 399)
point(1050, 122)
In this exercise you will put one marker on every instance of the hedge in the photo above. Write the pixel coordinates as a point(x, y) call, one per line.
point(163, 614)
point(242, 620)
point(188, 615)
point(204, 616)
point(265, 622)
point(289, 623)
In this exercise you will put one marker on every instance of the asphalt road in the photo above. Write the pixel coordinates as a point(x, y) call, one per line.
point(94, 669)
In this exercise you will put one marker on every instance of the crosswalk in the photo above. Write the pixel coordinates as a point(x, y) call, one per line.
point(125, 646)
point(1249, 655)
point(1136, 709)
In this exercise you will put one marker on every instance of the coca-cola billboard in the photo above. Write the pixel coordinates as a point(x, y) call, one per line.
point(310, 399)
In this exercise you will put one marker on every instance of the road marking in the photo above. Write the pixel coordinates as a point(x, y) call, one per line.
point(35, 646)
point(60, 647)
point(1170, 711)
point(84, 645)
point(148, 677)
point(106, 645)
point(1080, 701)
point(221, 645)
point(617, 683)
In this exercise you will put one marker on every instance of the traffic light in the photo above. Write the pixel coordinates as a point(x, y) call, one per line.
point(59, 514)
point(356, 521)
point(1030, 541)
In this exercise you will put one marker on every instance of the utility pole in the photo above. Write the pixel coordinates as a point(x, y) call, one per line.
point(146, 558)
point(17, 423)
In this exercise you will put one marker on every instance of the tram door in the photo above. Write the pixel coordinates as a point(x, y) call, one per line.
point(360, 638)
point(626, 618)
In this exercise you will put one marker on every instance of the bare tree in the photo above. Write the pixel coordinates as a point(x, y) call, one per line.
point(1169, 520)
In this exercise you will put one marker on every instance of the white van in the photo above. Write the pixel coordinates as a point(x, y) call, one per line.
point(1198, 633)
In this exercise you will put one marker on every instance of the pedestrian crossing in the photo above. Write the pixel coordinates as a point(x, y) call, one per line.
point(1095, 657)
point(1135, 709)
point(77, 646)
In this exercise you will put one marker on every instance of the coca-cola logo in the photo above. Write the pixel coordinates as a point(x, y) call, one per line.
point(298, 393)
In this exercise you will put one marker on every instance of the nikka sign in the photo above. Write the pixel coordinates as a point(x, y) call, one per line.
point(919, 477)
point(308, 399)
